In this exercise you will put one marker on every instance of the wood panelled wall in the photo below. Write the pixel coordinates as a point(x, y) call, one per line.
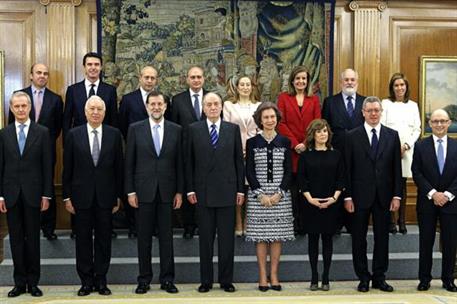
point(377, 38)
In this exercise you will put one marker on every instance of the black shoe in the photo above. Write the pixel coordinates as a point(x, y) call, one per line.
point(34, 291)
point(402, 228)
point(423, 286)
point(263, 288)
point(393, 228)
point(16, 291)
point(142, 288)
point(50, 236)
point(103, 290)
point(228, 287)
point(73, 235)
point(85, 290)
point(133, 235)
point(450, 286)
point(276, 287)
point(364, 286)
point(169, 287)
point(382, 285)
point(205, 287)
point(113, 234)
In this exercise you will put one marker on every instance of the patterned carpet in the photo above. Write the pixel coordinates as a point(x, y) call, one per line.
point(341, 293)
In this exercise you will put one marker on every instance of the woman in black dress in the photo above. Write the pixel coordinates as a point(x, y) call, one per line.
point(321, 180)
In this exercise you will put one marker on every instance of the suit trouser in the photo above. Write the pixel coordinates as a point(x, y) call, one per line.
point(381, 221)
point(93, 254)
point(49, 217)
point(149, 215)
point(24, 230)
point(427, 230)
point(188, 214)
point(222, 221)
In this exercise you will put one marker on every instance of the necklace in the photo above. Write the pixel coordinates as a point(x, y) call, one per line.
point(269, 138)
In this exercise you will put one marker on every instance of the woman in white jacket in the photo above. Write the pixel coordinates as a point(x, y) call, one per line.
point(402, 114)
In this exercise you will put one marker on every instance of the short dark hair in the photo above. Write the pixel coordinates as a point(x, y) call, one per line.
point(155, 94)
point(92, 55)
point(266, 105)
point(394, 78)
point(313, 127)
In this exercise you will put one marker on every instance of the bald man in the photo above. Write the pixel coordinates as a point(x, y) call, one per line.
point(435, 174)
point(47, 110)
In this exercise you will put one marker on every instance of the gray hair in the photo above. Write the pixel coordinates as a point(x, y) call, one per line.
point(94, 98)
point(371, 99)
point(209, 95)
point(20, 94)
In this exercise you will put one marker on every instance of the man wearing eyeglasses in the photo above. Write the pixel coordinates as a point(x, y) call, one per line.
point(373, 188)
point(435, 174)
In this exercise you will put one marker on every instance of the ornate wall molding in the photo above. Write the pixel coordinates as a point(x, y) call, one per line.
point(73, 2)
point(379, 5)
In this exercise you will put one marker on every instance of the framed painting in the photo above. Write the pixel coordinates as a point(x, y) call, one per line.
point(2, 88)
point(438, 79)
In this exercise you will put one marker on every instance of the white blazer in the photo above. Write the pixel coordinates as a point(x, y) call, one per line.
point(405, 119)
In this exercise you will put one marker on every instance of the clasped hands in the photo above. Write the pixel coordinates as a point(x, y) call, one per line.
point(270, 200)
point(322, 203)
point(440, 199)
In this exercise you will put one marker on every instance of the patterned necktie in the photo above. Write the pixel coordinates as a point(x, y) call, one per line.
point(374, 143)
point(196, 106)
point(214, 136)
point(440, 155)
point(156, 138)
point(92, 90)
point(350, 108)
point(38, 103)
point(95, 148)
point(21, 141)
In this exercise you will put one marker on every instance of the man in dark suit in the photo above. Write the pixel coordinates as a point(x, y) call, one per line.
point(92, 188)
point(25, 190)
point(215, 181)
point(373, 162)
point(78, 93)
point(343, 112)
point(187, 109)
point(47, 108)
point(154, 183)
point(435, 174)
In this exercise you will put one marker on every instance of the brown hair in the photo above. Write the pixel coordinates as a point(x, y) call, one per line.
point(296, 70)
point(313, 127)
point(394, 78)
point(266, 105)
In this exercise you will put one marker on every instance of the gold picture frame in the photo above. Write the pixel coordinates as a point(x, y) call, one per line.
point(438, 79)
point(2, 89)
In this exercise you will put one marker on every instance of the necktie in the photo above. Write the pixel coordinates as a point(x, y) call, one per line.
point(440, 155)
point(350, 108)
point(374, 143)
point(38, 103)
point(21, 138)
point(214, 136)
point(92, 90)
point(196, 106)
point(95, 148)
point(156, 138)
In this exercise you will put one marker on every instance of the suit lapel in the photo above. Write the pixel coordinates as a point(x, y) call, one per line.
point(139, 102)
point(450, 151)
point(148, 137)
point(190, 106)
point(222, 135)
point(31, 138)
point(365, 143)
point(12, 138)
point(382, 141)
point(105, 139)
point(341, 108)
point(46, 106)
point(85, 143)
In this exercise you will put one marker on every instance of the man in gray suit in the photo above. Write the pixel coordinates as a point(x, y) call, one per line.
point(154, 184)
point(25, 190)
point(215, 178)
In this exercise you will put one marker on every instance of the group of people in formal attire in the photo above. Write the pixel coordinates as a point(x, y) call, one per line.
point(268, 171)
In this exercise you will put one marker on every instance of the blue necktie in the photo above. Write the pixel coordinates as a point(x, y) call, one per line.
point(214, 136)
point(440, 155)
point(196, 106)
point(21, 138)
point(374, 143)
point(350, 108)
point(156, 138)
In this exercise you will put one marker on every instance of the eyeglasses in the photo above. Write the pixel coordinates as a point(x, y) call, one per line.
point(375, 111)
point(439, 122)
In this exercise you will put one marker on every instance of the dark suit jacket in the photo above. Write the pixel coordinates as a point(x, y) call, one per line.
point(30, 173)
point(82, 181)
point(132, 109)
point(50, 115)
point(215, 175)
point(426, 174)
point(367, 178)
point(182, 111)
point(334, 111)
point(75, 100)
point(145, 172)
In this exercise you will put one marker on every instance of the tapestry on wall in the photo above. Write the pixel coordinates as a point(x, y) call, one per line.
point(263, 39)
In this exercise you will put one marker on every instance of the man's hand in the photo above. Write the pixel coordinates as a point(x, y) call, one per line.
point(2, 206)
point(394, 204)
point(69, 207)
point(44, 204)
point(349, 206)
point(439, 199)
point(239, 199)
point(192, 198)
point(133, 200)
point(116, 207)
point(177, 201)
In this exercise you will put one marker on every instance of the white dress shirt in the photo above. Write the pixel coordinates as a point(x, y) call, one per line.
point(449, 195)
point(89, 84)
point(91, 136)
point(368, 129)
point(200, 99)
point(26, 128)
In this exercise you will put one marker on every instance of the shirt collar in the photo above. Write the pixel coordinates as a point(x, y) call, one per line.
point(192, 93)
point(34, 89)
point(435, 138)
point(217, 123)
point(144, 94)
point(87, 83)
point(153, 123)
point(90, 128)
point(368, 128)
point(345, 97)
point(27, 123)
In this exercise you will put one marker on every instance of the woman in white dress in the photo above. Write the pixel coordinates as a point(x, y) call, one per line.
point(239, 110)
point(402, 114)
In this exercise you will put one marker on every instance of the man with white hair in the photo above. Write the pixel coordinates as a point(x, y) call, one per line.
point(92, 188)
